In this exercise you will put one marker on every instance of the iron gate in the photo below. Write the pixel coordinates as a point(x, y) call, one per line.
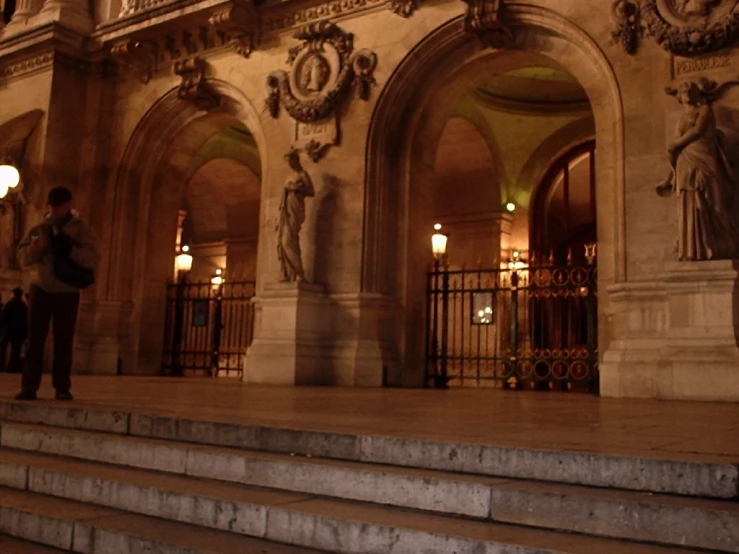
point(207, 328)
point(527, 326)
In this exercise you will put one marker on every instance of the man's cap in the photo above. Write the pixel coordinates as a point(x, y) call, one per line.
point(17, 292)
point(59, 196)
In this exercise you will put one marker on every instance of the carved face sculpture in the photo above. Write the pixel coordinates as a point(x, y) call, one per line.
point(314, 74)
point(695, 8)
point(688, 94)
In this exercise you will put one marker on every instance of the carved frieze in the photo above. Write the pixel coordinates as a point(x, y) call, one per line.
point(194, 87)
point(138, 56)
point(487, 20)
point(323, 70)
point(682, 27)
point(241, 24)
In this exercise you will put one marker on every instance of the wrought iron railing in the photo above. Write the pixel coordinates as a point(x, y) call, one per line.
point(530, 326)
point(207, 328)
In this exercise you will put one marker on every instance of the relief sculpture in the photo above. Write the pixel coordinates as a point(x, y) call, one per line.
point(323, 70)
point(682, 27)
point(702, 179)
point(292, 215)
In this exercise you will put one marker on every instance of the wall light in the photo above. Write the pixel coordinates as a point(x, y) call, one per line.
point(510, 207)
point(183, 261)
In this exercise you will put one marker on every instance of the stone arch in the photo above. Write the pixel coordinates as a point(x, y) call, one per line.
point(154, 171)
point(447, 63)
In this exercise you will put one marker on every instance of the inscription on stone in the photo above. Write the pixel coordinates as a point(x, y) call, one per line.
point(686, 66)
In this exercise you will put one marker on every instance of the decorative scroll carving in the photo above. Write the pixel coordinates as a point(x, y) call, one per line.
point(292, 215)
point(404, 8)
point(630, 30)
point(324, 69)
point(702, 177)
point(194, 87)
point(138, 56)
point(240, 23)
point(486, 19)
point(682, 27)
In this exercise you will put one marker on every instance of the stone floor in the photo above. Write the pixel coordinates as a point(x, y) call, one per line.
point(542, 420)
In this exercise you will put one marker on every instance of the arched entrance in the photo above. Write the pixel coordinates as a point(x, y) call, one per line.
point(187, 175)
point(447, 67)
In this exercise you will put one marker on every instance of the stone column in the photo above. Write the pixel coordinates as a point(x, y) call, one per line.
point(23, 10)
point(73, 14)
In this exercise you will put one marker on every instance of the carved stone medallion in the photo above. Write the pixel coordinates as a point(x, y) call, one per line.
point(685, 27)
point(323, 70)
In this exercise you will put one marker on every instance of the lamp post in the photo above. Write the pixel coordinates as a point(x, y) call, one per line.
point(216, 282)
point(441, 270)
point(183, 263)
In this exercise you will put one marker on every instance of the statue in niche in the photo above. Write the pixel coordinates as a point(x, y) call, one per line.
point(292, 216)
point(702, 178)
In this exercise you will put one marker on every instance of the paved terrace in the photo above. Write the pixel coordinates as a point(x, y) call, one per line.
point(542, 420)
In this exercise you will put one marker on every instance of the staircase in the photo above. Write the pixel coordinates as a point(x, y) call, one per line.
point(109, 482)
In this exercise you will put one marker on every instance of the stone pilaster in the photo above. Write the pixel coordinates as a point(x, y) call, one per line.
point(73, 14)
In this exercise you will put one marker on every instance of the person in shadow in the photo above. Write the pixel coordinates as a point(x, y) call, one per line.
point(13, 332)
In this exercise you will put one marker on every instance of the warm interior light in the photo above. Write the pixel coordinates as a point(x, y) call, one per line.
point(9, 176)
point(184, 260)
point(510, 206)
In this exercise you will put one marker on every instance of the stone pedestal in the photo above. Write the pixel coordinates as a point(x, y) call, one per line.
point(676, 338)
point(291, 329)
point(72, 14)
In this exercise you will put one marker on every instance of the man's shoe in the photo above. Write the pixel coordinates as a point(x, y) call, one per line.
point(26, 394)
point(64, 395)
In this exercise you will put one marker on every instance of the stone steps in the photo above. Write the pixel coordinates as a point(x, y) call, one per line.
point(692, 475)
point(659, 518)
point(11, 545)
point(305, 520)
point(68, 526)
point(349, 492)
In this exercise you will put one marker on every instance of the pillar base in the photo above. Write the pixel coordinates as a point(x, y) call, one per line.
point(676, 338)
point(292, 327)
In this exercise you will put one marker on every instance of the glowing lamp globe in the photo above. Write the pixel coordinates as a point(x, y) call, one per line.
point(9, 176)
point(3, 190)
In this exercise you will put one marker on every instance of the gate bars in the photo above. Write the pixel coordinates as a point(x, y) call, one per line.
point(524, 327)
point(207, 327)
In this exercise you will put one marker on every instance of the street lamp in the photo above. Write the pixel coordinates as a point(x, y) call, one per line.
point(10, 177)
point(438, 247)
point(183, 263)
point(217, 279)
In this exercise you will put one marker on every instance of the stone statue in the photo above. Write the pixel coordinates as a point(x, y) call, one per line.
point(702, 178)
point(292, 216)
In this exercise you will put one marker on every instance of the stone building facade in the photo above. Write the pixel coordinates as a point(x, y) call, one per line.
point(171, 121)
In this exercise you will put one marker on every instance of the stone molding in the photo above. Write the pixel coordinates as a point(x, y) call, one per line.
point(194, 87)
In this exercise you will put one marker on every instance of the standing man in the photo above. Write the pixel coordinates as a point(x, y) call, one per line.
point(64, 253)
point(13, 332)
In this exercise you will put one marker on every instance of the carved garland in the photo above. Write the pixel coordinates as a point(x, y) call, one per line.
point(320, 41)
point(682, 35)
